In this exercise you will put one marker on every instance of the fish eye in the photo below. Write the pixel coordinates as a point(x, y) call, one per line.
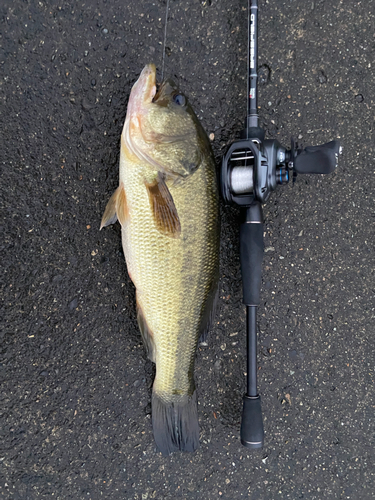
point(179, 99)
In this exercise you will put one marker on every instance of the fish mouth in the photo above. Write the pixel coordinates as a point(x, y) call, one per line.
point(164, 91)
point(159, 88)
point(144, 89)
point(147, 82)
point(145, 92)
point(141, 97)
point(157, 93)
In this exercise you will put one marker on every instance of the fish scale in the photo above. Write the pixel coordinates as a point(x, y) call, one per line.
point(168, 206)
point(171, 301)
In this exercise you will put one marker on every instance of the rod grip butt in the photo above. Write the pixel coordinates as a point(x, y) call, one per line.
point(252, 432)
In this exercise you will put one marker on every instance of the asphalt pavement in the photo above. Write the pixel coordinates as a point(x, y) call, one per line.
point(75, 381)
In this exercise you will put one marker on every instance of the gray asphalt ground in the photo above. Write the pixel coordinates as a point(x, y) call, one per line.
point(75, 382)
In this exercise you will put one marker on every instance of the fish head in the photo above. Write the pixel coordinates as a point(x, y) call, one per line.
point(161, 127)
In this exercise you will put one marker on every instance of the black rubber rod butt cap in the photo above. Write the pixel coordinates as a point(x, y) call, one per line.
point(251, 256)
point(318, 159)
point(252, 432)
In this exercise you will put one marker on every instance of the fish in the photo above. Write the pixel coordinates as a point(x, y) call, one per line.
point(167, 203)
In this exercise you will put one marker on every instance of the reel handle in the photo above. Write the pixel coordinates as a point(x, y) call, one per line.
point(317, 159)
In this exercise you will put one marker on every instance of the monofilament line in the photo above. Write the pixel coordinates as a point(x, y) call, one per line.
point(165, 39)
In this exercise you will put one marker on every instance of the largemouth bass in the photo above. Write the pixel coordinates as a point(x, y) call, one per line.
point(168, 205)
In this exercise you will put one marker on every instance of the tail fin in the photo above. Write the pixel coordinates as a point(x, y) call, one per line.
point(175, 425)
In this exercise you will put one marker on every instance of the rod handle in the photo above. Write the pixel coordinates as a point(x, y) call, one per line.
point(252, 432)
point(251, 256)
point(318, 159)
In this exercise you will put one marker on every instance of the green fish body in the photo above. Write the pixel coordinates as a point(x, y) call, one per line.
point(168, 205)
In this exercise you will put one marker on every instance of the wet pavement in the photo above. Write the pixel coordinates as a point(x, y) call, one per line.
point(75, 382)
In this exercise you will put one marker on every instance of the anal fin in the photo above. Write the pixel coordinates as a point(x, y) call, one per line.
point(209, 310)
point(146, 333)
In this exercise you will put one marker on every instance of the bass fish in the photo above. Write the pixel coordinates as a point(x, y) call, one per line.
point(167, 204)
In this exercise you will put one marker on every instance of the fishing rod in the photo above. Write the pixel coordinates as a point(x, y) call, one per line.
point(251, 169)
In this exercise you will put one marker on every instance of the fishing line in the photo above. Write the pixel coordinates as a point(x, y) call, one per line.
point(165, 39)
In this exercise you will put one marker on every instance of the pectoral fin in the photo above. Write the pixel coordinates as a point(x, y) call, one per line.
point(163, 207)
point(116, 208)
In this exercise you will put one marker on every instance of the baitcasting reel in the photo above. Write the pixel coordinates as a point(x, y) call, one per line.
point(252, 168)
